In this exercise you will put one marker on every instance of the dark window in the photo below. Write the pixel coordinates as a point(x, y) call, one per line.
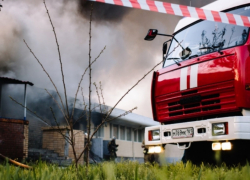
point(140, 135)
point(115, 131)
point(100, 132)
point(122, 132)
point(128, 134)
point(111, 133)
point(135, 136)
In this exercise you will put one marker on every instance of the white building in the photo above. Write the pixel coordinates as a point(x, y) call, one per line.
point(129, 133)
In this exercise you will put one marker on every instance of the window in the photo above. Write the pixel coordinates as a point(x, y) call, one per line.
point(122, 132)
point(115, 131)
point(100, 132)
point(110, 130)
point(207, 36)
point(128, 134)
point(135, 135)
point(140, 135)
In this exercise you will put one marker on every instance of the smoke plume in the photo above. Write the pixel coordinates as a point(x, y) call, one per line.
point(126, 59)
point(102, 12)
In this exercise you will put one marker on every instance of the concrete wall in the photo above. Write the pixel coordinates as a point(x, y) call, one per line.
point(97, 147)
point(172, 153)
point(14, 138)
point(125, 149)
point(106, 132)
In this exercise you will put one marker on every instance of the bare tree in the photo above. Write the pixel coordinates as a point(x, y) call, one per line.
point(64, 107)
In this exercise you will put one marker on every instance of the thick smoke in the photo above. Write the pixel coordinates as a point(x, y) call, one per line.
point(110, 13)
point(9, 44)
point(102, 12)
point(127, 57)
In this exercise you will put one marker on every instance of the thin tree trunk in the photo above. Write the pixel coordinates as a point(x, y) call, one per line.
point(90, 83)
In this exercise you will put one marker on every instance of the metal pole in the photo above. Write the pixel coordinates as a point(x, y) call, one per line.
point(25, 101)
point(133, 149)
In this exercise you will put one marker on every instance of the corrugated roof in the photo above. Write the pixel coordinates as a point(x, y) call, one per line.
point(7, 80)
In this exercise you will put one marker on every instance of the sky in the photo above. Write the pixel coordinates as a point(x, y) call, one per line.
point(126, 59)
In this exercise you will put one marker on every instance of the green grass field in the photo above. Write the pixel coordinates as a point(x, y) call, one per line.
point(125, 171)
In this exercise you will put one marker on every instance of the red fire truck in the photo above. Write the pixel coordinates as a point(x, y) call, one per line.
point(201, 96)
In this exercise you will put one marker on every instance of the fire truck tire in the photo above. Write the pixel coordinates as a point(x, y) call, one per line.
point(202, 152)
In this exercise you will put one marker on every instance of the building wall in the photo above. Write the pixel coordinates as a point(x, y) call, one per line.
point(14, 138)
point(125, 149)
point(79, 145)
point(106, 132)
point(53, 140)
point(26, 141)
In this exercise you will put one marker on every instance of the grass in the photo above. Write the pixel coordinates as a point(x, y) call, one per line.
point(126, 170)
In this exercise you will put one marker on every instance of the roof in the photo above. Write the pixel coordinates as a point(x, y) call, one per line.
point(6, 80)
point(219, 5)
point(131, 119)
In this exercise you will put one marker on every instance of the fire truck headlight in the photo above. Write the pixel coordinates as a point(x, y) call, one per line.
point(226, 146)
point(216, 146)
point(157, 149)
point(156, 134)
point(219, 129)
point(154, 149)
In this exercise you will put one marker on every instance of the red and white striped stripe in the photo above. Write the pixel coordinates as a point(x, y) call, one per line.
point(181, 10)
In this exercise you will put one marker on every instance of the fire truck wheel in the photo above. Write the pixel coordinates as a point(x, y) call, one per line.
point(199, 152)
point(202, 152)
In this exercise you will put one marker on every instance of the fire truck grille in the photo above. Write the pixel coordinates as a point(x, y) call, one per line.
point(200, 101)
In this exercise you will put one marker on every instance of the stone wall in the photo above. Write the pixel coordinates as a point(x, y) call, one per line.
point(26, 141)
point(53, 140)
point(79, 145)
point(14, 138)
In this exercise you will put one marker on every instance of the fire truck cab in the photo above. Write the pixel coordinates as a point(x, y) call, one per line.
point(201, 96)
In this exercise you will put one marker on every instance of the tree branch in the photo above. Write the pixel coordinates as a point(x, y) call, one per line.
point(46, 74)
point(82, 79)
point(60, 59)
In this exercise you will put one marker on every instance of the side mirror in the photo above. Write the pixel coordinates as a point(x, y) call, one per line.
point(185, 53)
point(151, 34)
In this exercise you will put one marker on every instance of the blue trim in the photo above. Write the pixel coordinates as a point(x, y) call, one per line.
point(14, 118)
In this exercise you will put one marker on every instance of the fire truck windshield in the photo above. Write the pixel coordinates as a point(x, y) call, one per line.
point(207, 36)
